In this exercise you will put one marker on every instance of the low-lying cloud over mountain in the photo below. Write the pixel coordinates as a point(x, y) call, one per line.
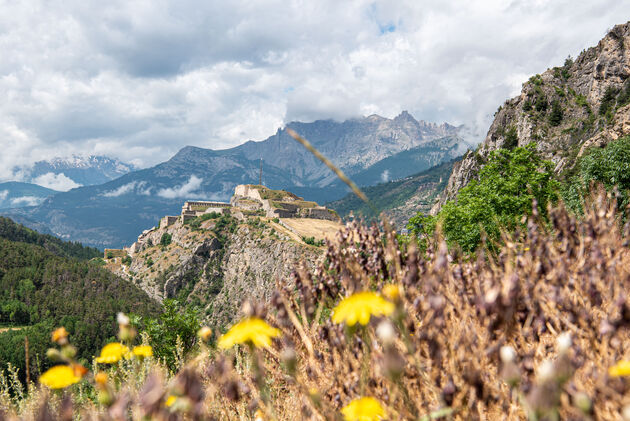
point(140, 80)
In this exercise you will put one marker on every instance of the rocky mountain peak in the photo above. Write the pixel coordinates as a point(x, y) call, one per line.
point(563, 111)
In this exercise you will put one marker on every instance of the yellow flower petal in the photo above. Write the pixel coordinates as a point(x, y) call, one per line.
point(58, 377)
point(621, 369)
point(112, 353)
point(251, 330)
point(171, 400)
point(360, 307)
point(363, 409)
point(143, 351)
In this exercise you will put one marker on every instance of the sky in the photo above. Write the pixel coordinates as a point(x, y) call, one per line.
point(138, 80)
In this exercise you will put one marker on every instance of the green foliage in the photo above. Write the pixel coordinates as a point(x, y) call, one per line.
point(40, 291)
point(511, 138)
point(608, 101)
point(210, 215)
point(527, 105)
point(127, 260)
point(276, 220)
point(503, 194)
point(609, 165)
point(555, 117)
point(541, 100)
point(313, 242)
point(166, 239)
point(175, 322)
point(16, 232)
point(110, 255)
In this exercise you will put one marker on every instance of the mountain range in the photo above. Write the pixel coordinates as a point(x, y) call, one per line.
point(368, 149)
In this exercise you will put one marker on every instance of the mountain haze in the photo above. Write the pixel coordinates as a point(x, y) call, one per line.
point(113, 213)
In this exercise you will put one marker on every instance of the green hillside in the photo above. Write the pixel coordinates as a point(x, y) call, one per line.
point(40, 290)
point(11, 231)
point(393, 197)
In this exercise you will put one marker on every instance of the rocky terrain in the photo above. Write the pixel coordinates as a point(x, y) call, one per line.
point(215, 263)
point(564, 110)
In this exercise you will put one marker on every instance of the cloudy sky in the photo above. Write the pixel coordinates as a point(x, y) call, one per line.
point(138, 80)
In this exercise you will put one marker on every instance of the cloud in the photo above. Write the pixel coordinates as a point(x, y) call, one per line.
point(3, 194)
point(26, 201)
point(124, 189)
point(385, 176)
point(139, 80)
point(183, 191)
point(54, 181)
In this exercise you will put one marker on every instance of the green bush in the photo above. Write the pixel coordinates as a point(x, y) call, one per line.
point(165, 330)
point(503, 194)
point(166, 239)
point(555, 117)
point(609, 165)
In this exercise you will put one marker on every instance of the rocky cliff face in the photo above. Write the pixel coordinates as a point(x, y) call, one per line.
point(216, 264)
point(564, 110)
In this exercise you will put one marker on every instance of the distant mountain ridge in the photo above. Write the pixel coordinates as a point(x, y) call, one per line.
point(14, 194)
point(75, 171)
point(111, 214)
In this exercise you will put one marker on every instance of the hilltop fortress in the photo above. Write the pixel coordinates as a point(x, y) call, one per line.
point(248, 200)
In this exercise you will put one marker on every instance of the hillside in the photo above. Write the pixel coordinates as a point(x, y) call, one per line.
point(400, 199)
point(11, 231)
point(40, 290)
point(14, 194)
point(109, 215)
point(216, 261)
point(564, 111)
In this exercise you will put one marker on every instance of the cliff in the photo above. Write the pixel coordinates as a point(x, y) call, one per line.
point(215, 263)
point(564, 111)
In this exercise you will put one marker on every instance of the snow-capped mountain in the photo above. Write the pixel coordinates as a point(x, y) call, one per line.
point(75, 171)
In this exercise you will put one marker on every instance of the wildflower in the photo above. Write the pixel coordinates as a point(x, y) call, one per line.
point(100, 378)
point(60, 336)
point(251, 330)
point(363, 409)
point(171, 400)
point(205, 333)
point(122, 319)
point(59, 376)
point(391, 292)
point(360, 307)
point(142, 351)
point(112, 353)
point(621, 369)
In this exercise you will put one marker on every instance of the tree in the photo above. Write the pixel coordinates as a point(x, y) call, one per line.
point(504, 192)
point(556, 113)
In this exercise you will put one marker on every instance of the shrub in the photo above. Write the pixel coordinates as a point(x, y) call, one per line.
point(555, 117)
point(507, 185)
point(609, 165)
point(166, 239)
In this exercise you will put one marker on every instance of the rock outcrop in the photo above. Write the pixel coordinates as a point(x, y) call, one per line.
point(214, 263)
point(564, 110)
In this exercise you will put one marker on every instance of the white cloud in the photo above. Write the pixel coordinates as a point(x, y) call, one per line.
point(385, 176)
point(26, 201)
point(184, 191)
point(3, 195)
point(140, 80)
point(54, 181)
point(124, 189)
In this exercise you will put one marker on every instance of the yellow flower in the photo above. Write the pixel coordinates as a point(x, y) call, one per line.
point(171, 400)
point(360, 307)
point(621, 369)
point(363, 409)
point(392, 292)
point(112, 353)
point(205, 333)
point(143, 351)
point(253, 330)
point(59, 335)
point(100, 378)
point(58, 377)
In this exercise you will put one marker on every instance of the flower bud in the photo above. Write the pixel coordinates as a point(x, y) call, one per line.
point(68, 352)
point(545, 372)
point(625, 413)
point(583, 402)
point(563, 342)
point(289, 358)
point(122, 319)
point(205, 333)
point(53, 354)
point(385, 332)
point(60, 336)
